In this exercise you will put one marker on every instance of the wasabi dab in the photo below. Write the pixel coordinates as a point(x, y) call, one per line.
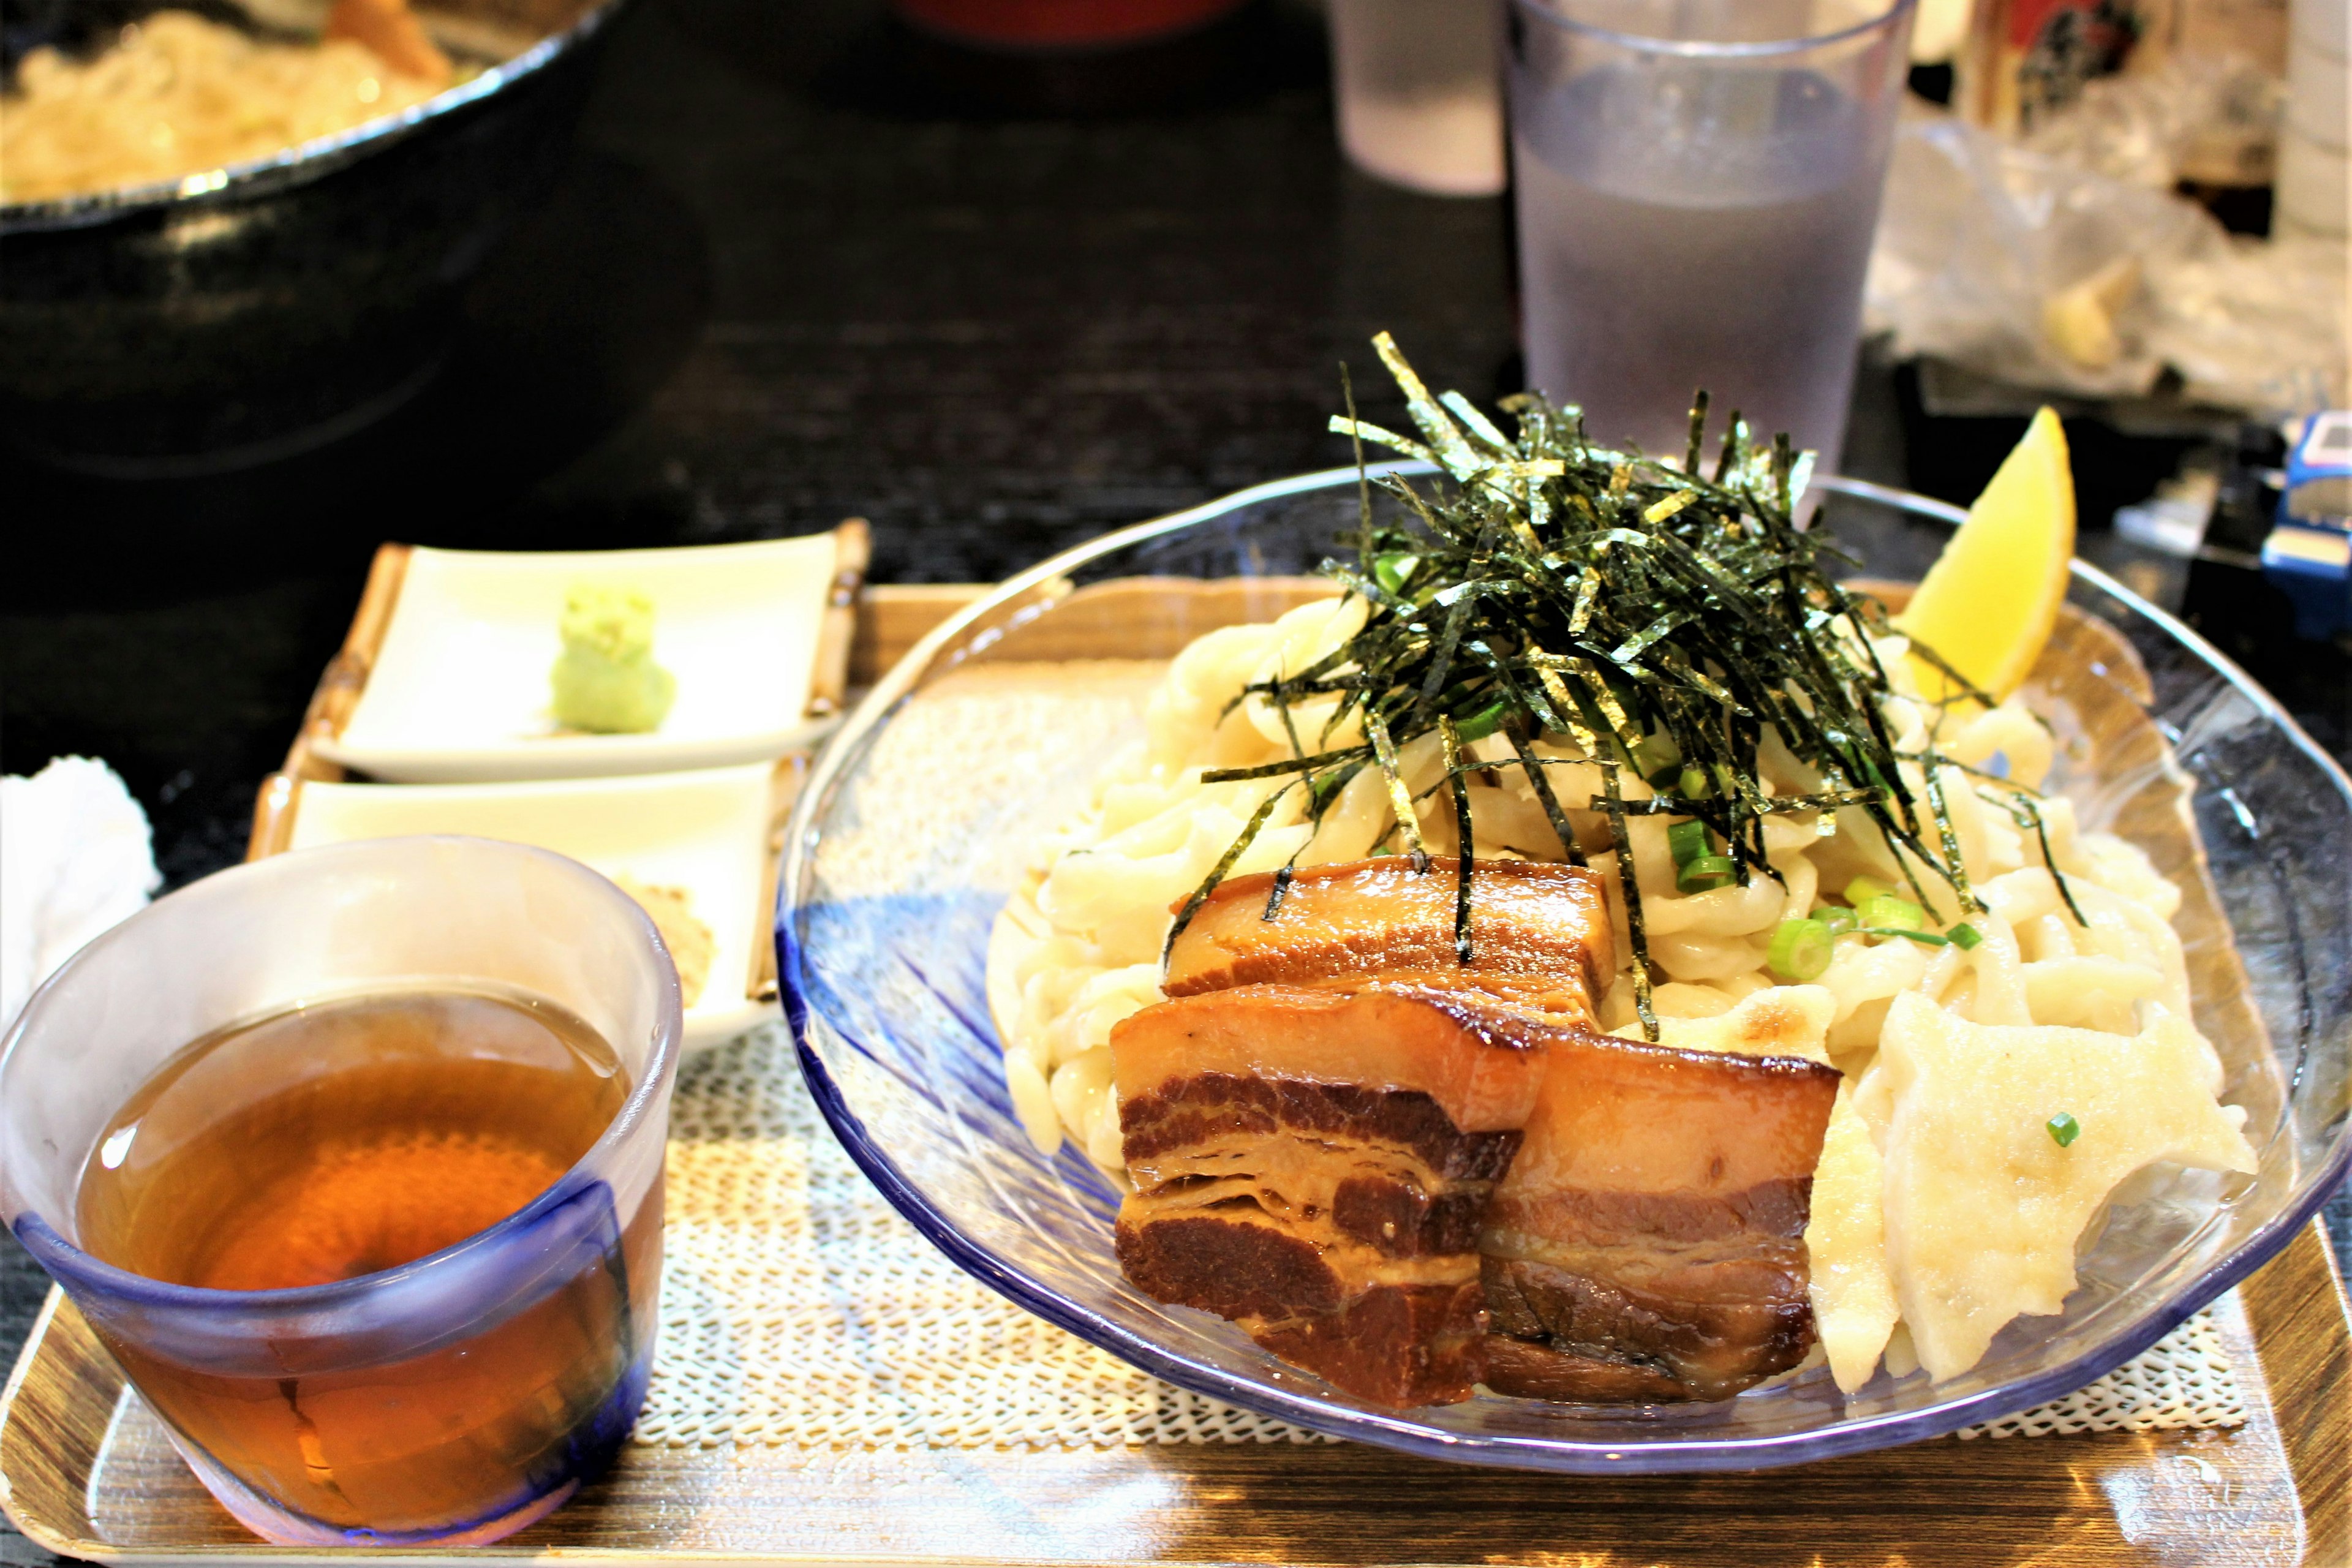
point(605, 681)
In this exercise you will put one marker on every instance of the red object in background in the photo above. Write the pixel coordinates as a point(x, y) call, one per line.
point(1061, 23)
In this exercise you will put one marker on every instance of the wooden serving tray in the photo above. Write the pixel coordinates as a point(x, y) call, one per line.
point(87, 1472)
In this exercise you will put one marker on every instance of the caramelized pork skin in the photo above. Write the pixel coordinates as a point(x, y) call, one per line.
point(1648, 1242)
point(1528, 922)
point(1315, 1166)
point(1483, 1066)
point(1410, 1175)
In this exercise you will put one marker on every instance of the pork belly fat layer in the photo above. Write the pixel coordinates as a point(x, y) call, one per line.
point(1367, 917)
point(1315, 1166)
point(1555, 998)
point(1650, 1234)
point(1482, 1068)
point(1192, 1123)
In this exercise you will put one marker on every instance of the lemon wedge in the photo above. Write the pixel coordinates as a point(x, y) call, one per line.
point(1989, 602)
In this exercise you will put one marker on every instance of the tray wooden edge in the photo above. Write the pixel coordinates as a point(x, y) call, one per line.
point(2302, 1324)
point(29, 1358)
point(59, 1400)
point(853, 552)
point(762, 984)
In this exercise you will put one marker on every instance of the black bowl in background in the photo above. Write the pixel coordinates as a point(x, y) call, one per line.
point(239, 317)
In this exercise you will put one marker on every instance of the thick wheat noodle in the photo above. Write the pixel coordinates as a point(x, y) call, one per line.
point(1076, 949)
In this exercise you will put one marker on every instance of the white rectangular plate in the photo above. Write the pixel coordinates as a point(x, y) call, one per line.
point(705, 831)
point(459, 689)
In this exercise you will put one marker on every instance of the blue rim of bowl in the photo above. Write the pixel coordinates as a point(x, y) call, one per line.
point(1702, 49)
point(1398, 1431)
point(59, 1256)
point(306, 161)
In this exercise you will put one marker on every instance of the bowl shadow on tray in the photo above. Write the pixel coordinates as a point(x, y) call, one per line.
point(577, 317)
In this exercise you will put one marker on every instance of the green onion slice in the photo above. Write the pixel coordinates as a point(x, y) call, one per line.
point(1861, 889)
point(1705, 873)
point(1964, 936)
point(1924, 938)
point(1836, 918)
point(1800, 950)
point(1688, 842)
point(1483, 723)
point(1392, 569)
point(2064, 1129)
point(1887, 910)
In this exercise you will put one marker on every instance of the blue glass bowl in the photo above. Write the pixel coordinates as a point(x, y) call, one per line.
point(919, 817)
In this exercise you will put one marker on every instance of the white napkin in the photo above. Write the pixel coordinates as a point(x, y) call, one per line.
point(75, 857)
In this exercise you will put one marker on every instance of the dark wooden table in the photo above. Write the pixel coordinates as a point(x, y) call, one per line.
point(784, 281)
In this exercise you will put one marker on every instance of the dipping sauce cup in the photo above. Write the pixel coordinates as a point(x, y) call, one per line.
point(450, 1399)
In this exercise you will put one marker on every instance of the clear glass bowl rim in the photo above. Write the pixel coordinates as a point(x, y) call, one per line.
point(1398, 1429)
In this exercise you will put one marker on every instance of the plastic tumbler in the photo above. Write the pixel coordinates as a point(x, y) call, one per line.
point(1418, 88)
point(453, 1398)
point(1697, 182)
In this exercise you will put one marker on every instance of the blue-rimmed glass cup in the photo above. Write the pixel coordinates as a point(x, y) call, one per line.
point(457, 1397)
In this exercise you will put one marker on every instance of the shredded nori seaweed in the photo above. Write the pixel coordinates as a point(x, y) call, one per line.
point(1656, 618)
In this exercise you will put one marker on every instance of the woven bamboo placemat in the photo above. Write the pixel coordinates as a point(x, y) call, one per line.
point(800, 1309)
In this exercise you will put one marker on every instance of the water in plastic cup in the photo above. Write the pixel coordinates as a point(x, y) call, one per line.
point(1695, 204)
point(1418, 85)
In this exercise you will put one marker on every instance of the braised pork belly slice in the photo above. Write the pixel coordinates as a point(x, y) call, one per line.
point(1315, 1166)
point(1648, 1241)
point(1529, 921)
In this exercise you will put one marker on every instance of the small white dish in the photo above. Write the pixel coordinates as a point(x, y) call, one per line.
point(458, 689)
point(707, 831)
